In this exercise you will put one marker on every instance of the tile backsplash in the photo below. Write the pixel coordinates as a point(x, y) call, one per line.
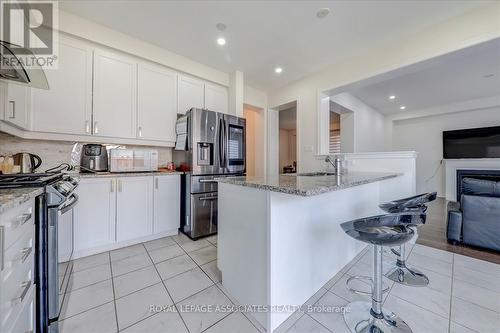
point(54, 153)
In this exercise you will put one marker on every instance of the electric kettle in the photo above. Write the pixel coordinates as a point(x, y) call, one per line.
point(27, 162)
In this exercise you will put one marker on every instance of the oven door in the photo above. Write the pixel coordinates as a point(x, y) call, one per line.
point(58, 218)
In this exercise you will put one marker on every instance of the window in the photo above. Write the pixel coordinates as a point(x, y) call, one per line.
point(334, 147)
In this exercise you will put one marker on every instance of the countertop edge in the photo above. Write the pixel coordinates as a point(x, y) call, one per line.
point(306, 193)
point(13, 197)
point(127, 174)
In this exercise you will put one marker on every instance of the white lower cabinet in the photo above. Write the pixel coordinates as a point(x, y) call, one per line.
point(119, 211)
point(134, 207)
point(94, 215)
point(167, 196)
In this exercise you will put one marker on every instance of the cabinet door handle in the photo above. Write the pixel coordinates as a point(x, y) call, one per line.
point(140, 131)
point(87, 126)
point(112, 187)
point(119, 185)
point(26, 286)
point(12, 109)
point(96, 129)
point(156, 183)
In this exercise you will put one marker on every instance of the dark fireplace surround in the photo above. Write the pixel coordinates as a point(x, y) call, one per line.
point(476, 174)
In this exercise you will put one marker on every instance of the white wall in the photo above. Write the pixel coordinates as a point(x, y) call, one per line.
point(368, 124)
point(424, 135)
point(471, 28)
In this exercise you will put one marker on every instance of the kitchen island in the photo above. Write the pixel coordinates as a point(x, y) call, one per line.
point(280, 240)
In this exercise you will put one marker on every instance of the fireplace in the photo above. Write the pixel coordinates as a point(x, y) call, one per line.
point(476, 174)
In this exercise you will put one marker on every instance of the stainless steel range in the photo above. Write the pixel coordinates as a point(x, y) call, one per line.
point(53, 219)
point(210, 145)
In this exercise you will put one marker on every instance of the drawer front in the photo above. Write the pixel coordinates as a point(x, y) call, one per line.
point(25, 320)
point(16, 284)
point(18, 253)
point(15, 221)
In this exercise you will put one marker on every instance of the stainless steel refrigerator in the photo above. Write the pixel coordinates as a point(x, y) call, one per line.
point(211, 145)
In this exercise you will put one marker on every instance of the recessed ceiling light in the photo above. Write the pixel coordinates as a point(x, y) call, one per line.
point(278, 70)
point(322, 13)
point(402, 107)
point(221, 41)
point(392, 97)
point(221, 26)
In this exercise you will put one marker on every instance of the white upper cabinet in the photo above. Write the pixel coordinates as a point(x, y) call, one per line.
point(67, 107)
point(216, 98)
point(115, 93)
point(18, 105)
point(157, 103)
point(191, 94)
point(134, 208)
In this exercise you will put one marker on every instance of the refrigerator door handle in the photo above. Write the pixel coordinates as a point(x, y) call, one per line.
point(226, 144)
point(221, 143)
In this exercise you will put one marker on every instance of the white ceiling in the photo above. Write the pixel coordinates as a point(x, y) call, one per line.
point(452, 78)
point(264, 34)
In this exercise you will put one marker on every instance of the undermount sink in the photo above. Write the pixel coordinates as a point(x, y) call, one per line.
point(316, 174)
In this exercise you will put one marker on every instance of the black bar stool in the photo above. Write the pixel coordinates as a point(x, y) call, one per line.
point(401, 273)
point(383, 230)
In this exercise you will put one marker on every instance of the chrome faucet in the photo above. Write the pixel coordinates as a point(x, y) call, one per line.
point(337, 163)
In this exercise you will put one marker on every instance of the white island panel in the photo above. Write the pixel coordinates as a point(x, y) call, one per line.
point(278, 249)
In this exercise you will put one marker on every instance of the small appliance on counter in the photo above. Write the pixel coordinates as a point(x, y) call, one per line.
point(133, 160)
point(94, 158)
point(27, 162)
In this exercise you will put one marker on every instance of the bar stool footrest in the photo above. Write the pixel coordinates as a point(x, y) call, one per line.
point(368, 280)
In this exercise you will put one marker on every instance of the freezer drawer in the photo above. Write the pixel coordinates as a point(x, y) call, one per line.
point(202, 220)
point(201, 184)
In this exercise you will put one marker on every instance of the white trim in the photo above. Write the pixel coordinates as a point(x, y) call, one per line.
point(4, 127)
point(452, 165)
point(117, 245)
point(376, 155)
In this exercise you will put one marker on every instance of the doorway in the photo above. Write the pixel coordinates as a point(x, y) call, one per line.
point(288, 138)
point(255, 140)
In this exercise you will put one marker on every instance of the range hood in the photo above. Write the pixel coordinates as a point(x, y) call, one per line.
point(12, 69)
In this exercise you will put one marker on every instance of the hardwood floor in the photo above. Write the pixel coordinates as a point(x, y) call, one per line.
point(433, 234)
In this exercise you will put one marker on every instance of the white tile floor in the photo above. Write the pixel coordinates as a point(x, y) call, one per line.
point(113, 291)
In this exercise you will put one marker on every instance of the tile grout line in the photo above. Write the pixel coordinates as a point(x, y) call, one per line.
point(215, 283)
point(113, 288)
point(168, 293)
point(306, 314)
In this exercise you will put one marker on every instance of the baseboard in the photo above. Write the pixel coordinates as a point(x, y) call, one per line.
point(117, 245)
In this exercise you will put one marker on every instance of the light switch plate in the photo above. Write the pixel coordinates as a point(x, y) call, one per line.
point(308, 149)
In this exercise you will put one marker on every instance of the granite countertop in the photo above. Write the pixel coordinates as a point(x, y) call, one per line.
point(128, 174)
point(308, 185)
point(12, 197)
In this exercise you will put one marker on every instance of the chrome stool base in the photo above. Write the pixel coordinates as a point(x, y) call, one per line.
point(407, 276)
point(360, 320)
point(368, 280)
